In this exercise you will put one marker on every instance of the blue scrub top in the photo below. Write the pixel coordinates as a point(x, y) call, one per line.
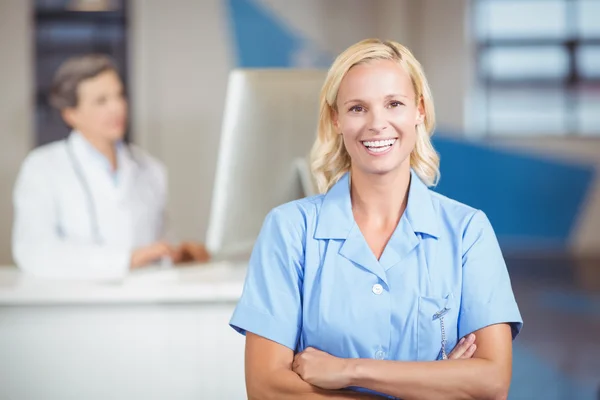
point(313, 281)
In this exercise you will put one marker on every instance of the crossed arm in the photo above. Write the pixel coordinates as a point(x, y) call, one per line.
point(273, 372)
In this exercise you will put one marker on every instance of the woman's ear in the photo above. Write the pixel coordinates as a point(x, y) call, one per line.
point(336, 121)
point(69, 115)
point(420, 111)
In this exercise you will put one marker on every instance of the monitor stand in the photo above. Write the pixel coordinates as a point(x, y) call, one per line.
point(242, 251)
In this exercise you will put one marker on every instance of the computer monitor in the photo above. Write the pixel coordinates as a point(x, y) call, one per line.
point(269, 126)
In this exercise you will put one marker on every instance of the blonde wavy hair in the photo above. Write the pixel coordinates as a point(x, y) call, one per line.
point(329, 158)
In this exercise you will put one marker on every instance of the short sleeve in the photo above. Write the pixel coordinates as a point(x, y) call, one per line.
point(487, 295)
point(271, 304)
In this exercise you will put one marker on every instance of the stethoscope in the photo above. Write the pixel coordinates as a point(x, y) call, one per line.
point(91, 205)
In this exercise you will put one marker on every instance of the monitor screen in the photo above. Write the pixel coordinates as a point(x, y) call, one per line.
point(269, 126)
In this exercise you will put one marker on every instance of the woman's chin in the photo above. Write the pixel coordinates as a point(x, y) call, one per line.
point(115, 135)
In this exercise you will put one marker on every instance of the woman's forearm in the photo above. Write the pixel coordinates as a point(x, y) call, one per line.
point(474, 378)
point(287, 385)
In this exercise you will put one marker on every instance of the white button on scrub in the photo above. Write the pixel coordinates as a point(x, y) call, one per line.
point(377, 288)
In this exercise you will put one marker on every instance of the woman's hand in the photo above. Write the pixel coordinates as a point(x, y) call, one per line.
point(191, 252)
point(322, 369)
point(464, 349)
point(329, 372)
point(149, 254)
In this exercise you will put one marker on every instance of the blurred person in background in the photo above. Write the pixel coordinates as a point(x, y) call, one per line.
point(92, 206)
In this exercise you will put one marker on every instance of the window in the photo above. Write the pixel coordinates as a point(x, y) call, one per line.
point(538, 66)
point(66, 28)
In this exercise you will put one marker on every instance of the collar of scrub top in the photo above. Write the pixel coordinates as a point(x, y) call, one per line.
point(91, 154)
point(336, 221)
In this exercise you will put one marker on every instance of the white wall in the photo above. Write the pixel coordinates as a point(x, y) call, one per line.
point(16, 105)
point(336, 24)
point(179, 67)
point(441, 45)
point(395, 21)
point(332, 25)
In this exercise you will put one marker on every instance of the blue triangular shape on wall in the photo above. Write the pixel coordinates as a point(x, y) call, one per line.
point(264, 41)
point(528, 198)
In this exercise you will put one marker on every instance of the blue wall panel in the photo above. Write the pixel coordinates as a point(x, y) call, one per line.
point(529, 198)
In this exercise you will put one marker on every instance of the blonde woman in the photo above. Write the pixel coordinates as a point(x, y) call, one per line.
point(369, 285)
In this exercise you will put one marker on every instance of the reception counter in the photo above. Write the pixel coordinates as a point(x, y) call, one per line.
point(157, 334)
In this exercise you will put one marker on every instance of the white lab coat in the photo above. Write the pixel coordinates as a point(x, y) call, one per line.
point(53, 235)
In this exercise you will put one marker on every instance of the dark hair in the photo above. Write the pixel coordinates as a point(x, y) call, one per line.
point(71, 73)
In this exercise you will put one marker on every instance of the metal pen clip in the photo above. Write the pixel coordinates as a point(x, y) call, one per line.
point(440, 315)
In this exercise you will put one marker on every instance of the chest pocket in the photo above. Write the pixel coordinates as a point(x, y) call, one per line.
point(437, 327)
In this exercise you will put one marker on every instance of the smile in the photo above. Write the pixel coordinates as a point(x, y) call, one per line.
point(379, 146)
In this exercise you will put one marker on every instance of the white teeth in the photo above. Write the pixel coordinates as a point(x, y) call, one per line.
point(378, 149)
point(379, 143)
